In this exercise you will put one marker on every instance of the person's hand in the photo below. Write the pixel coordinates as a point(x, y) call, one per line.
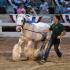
point(60, 37)
point(18, 28)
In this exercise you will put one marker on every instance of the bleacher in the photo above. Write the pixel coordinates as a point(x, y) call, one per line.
point(4, 7)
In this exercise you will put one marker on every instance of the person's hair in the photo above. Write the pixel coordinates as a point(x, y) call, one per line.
point(57, 16)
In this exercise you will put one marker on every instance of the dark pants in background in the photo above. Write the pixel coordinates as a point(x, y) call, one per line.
point(51, 10)
point(2, 10)
point(56, 43)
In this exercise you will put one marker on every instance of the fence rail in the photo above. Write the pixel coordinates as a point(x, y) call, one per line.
point(8, 34)
point(15, 34)
point(7, 24)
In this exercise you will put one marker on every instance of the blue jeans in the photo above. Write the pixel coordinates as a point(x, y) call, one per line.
point(56, 43)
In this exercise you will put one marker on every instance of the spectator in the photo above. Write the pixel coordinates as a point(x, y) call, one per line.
point(31, 11)
point(21, 9)
point(59, 2)
point(26, 3)
point(9, 10)
point(59, 6)
point(3, 4)
point(15, 3)
point(51, 4)
point(44, 8)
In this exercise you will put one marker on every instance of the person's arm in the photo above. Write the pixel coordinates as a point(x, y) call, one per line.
point(34, 12)
point(14, 6)
point(48, 30)
point(63, 33)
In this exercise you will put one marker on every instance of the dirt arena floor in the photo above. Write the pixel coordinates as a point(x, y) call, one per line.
point(53, 63)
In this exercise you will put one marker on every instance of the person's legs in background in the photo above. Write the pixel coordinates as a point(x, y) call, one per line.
point(53, 10)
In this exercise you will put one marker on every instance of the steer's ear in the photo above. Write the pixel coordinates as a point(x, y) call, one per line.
point(39, 19)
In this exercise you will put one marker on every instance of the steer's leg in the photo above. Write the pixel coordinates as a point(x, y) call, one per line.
point(22, 40)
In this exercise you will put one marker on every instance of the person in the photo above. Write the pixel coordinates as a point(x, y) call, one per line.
point(44, 8)
point(58, 32)
point(26, 3)
point(14, 4)
point(21, 9)
point(51, 6)
point(31, 11)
